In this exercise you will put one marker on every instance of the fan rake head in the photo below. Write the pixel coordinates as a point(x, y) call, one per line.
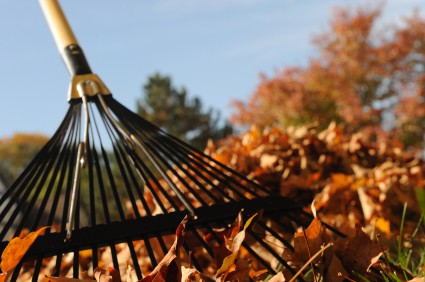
point(108, 177)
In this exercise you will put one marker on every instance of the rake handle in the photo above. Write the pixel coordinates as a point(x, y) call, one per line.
point(67, 44)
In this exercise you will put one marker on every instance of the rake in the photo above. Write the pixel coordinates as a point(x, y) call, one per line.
point(110, 182)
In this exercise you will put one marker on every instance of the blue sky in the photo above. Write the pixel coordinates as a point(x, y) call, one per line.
point(216, 49)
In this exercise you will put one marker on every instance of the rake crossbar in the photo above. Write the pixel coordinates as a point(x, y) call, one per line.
point(146, 227)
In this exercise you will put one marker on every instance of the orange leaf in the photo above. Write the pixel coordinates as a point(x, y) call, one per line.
point(16, 249)
point(63, 279)
point(383, 225)
point(229, 261)
point(315, 235)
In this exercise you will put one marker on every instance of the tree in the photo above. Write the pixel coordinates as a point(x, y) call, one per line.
point(17, 151)
point(173, 111)
point(362, 78)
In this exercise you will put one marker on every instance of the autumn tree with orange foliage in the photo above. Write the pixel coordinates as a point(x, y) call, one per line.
point(363, 78)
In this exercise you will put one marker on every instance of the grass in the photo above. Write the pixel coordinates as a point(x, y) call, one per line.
point(406, 259)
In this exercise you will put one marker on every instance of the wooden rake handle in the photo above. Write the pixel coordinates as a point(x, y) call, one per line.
point(67, 44)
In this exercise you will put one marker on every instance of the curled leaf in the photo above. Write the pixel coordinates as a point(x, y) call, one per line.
point(16, 249)
point(229, 261)
point(309, 242)
point(103, 275)
point(169, 269)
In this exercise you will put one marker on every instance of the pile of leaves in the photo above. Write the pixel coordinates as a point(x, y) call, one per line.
point(363, 189)
point(352, 181)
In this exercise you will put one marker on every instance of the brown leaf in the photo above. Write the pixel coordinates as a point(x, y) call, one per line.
point(357, 253)
point(241, 272)
point(193, 275)
point(110, 275)
point(169, 269)
point(63, 279)
point(307, 243)
point(16, 249)
point(334, 270)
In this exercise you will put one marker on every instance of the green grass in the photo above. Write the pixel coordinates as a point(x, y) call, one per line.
point(406, 259)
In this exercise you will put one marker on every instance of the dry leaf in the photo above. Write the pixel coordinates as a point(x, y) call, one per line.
point(193, 275)
point(255, 275)
point(16, 249)
point(169, 268)
point(366, 202)
point(315, 235)
point(278, 278)
point(110, 275)
point(241, 272)
point(334, 270)
point(131, 275)
point(64, 279)
point(357, 253)
point(313, 208)
point(383, 225)
point(229, 261)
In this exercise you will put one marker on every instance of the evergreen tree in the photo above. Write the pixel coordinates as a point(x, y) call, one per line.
point(173, 111)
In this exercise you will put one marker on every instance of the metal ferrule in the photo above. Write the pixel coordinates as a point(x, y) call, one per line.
point(88, 85)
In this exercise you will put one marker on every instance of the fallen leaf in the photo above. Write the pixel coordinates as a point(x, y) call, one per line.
point(309, 242)
point(16, 249)
point(334, 271)
point(241, 272)
point(169, 268)
point(278, 278)
point(417, 279)
point(357, 253)
point(64, 279)
point(383, 225)
point(257, 274)
point(366, 203)
point(313, 208)
point(103, 275)
point(131, 275)
point(188, 274)
point(193, 275)
point(267, 161)
point(229, 261)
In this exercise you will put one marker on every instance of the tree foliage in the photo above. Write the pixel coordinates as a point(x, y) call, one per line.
point(172, 110)
point(362, 77)
point(17, 151)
